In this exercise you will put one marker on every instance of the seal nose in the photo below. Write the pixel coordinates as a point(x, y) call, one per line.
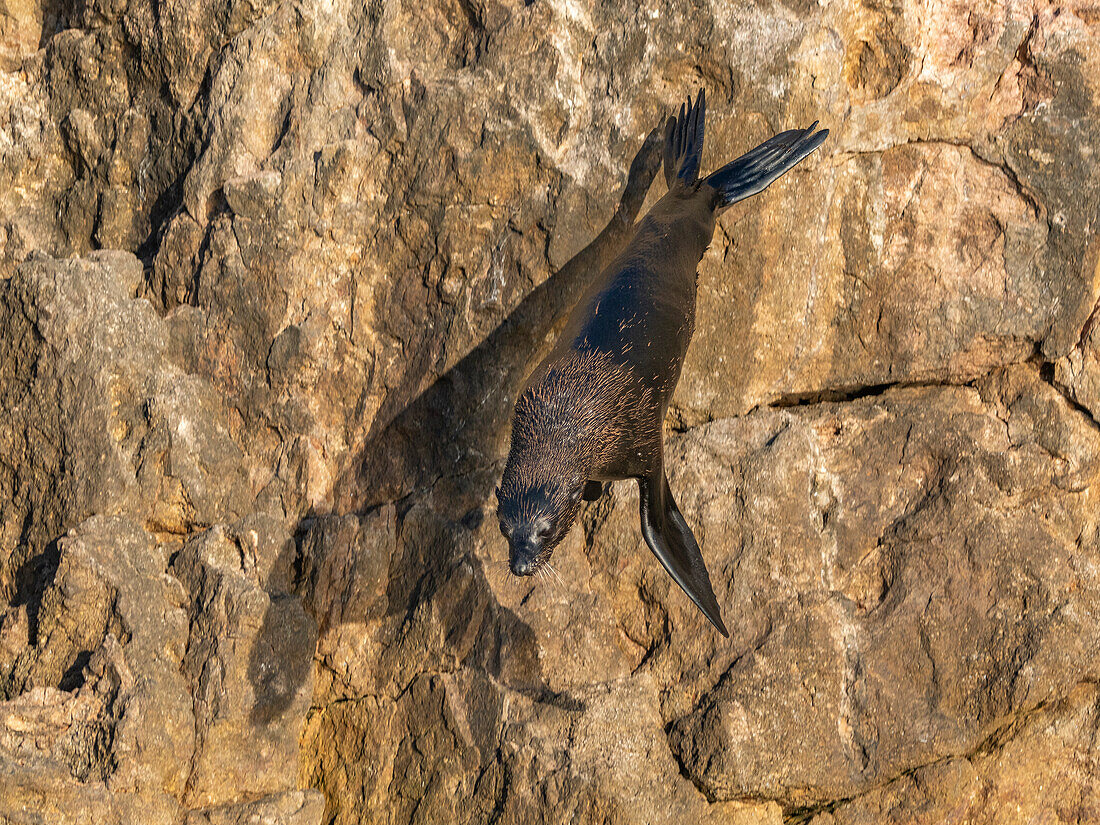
point(522, 557)
point(522, 567)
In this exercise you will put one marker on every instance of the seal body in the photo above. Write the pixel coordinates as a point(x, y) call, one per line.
point(593, 410)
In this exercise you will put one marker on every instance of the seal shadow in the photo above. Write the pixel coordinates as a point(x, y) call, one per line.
point(402, 528)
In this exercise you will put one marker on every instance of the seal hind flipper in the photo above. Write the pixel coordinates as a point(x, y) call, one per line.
point(684, 143)
point(758, 168)
point(672, 542)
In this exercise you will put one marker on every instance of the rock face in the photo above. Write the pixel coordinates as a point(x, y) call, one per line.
point(271, 276)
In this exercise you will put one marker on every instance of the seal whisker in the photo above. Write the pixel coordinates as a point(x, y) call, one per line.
point(555, 574)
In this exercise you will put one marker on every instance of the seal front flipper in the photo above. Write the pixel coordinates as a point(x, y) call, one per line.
point(674, 545)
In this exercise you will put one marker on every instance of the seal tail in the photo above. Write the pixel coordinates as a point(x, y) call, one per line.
point(684, 143)
point(672, 542)
point(755, 170)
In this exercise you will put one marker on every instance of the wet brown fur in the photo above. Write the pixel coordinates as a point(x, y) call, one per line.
point(572, 423)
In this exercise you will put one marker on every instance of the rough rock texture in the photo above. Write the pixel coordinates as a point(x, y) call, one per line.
point(271, 274)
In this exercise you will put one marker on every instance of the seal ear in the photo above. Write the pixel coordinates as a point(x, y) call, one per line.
point(674, 545)
point(593, 490)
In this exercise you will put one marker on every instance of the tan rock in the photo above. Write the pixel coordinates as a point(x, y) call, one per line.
point(936, 582)
point(288, 808)
point(20, 30)
point(248, 664)
point(111, 626)
point(1041, 768)
point(100, 420)
point(275, 418)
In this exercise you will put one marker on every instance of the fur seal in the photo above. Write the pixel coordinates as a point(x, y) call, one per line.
point(593, 411)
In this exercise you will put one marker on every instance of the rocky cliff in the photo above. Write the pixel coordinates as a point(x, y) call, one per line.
point(271, 273)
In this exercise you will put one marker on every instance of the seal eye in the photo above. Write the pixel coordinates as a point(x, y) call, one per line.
point(545, 532)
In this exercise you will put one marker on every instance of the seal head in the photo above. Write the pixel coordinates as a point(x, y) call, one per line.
point(535, 517)
point(559, 430)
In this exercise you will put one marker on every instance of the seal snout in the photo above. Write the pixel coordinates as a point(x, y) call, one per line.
point(524, 566)
point(524, 556)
